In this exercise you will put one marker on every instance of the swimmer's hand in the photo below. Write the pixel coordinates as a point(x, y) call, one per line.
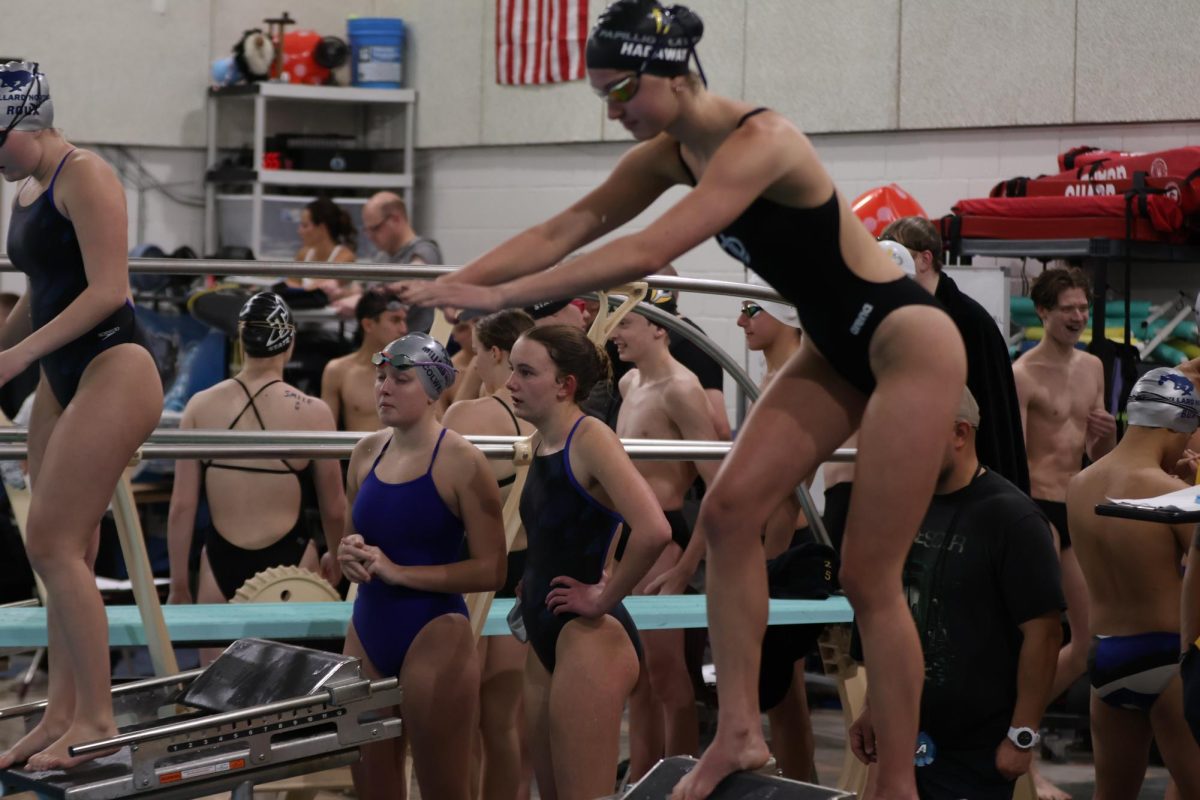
point(1187, 465)
point(1101, 426)
point(862, 738)
point(179, 595)
point(13, 362)
point(354, 558)
point(671, 581)
point(569, 596)
point(444, 294)
point(1011, 761)
point(330, 569)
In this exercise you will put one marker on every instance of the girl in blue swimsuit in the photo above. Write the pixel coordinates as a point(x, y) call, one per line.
point(879, 355)
point(99, 396)
point(418, 493)
point(581, 485)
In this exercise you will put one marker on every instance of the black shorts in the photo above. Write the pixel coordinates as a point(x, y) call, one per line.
point(837, 508)
point(963, 775)
point(1056, 512)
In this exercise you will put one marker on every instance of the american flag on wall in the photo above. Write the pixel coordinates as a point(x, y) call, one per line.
point(540, 41)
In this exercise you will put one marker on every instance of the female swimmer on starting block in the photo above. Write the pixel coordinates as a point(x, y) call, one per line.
point(879, 355)
point(98, 399)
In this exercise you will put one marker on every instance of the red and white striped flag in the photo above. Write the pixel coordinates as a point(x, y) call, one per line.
point(540, 41)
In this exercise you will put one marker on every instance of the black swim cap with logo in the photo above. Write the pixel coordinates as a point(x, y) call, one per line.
point(265, 325)
point(646, 37)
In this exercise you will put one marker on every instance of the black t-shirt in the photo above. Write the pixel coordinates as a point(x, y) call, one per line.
point(982, 563)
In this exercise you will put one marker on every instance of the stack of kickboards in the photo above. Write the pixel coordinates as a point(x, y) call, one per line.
point(1150, 197)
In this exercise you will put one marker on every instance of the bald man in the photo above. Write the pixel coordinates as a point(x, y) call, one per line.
point(385, 220)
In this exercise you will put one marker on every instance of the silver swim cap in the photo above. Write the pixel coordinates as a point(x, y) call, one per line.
point(421, 351)
point(24, 98)
point(1164, 398)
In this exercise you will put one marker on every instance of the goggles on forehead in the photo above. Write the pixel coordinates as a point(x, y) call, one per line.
point(405, 361)
point(16, 120)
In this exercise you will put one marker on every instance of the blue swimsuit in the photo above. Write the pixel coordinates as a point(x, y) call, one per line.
point(411, 524)
point(43, 245)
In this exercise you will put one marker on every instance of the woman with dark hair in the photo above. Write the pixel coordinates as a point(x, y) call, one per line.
point(586, 655)
point(501, 658)
point(878, 354)
point(327, 234)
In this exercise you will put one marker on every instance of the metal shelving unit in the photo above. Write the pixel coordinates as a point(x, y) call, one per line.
point(258, 178)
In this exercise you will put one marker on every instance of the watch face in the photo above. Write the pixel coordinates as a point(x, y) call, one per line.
point(1024, 738)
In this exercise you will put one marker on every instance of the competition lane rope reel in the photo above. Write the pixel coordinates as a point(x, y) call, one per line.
point(261, 712)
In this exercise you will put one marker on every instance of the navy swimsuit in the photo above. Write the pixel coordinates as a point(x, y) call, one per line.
point(569, 533)
point(798, 252)
point(43, 245)
point(411, 524)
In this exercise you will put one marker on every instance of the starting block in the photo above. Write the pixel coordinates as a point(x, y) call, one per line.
point(659, 781)
point(261, 712)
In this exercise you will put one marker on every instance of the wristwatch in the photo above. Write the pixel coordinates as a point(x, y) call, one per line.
point(1024, 738)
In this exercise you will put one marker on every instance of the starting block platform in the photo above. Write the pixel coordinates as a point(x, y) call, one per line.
point(262, 711)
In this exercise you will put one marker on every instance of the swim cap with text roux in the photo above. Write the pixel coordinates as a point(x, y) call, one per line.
point(24, 97)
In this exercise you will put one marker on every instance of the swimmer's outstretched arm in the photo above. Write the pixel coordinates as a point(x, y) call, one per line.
point(741, 169)
point(636, 181)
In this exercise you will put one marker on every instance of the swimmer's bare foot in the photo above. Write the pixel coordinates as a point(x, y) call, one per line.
point(727, 754)
point(1044, 788)
point(56, 756)
point(42, 736)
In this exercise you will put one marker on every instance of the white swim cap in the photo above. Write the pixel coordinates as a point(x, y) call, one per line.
point(784, 312)
point(24, 98)
point(1164, 398)
point(901, 256)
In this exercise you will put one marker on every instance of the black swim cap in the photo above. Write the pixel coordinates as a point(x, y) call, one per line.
point(265, 325)
point(645, 36)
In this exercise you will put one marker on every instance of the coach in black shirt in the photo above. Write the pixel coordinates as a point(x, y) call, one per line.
point(983, 582)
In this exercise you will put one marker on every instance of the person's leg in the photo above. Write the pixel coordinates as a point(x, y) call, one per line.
point(646, 727)
point(379, 772)
point(1072, 658)
point(537, 722)
point(674, 699)
point(1120, 749)
point(441, 672)
point(919, 369)
point(791, 731)
point(806, 412)
point(595, 671)
point(60, 707)
point(500, 719)
point(1179, 749)
point(208, 592)
point(117, 405)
